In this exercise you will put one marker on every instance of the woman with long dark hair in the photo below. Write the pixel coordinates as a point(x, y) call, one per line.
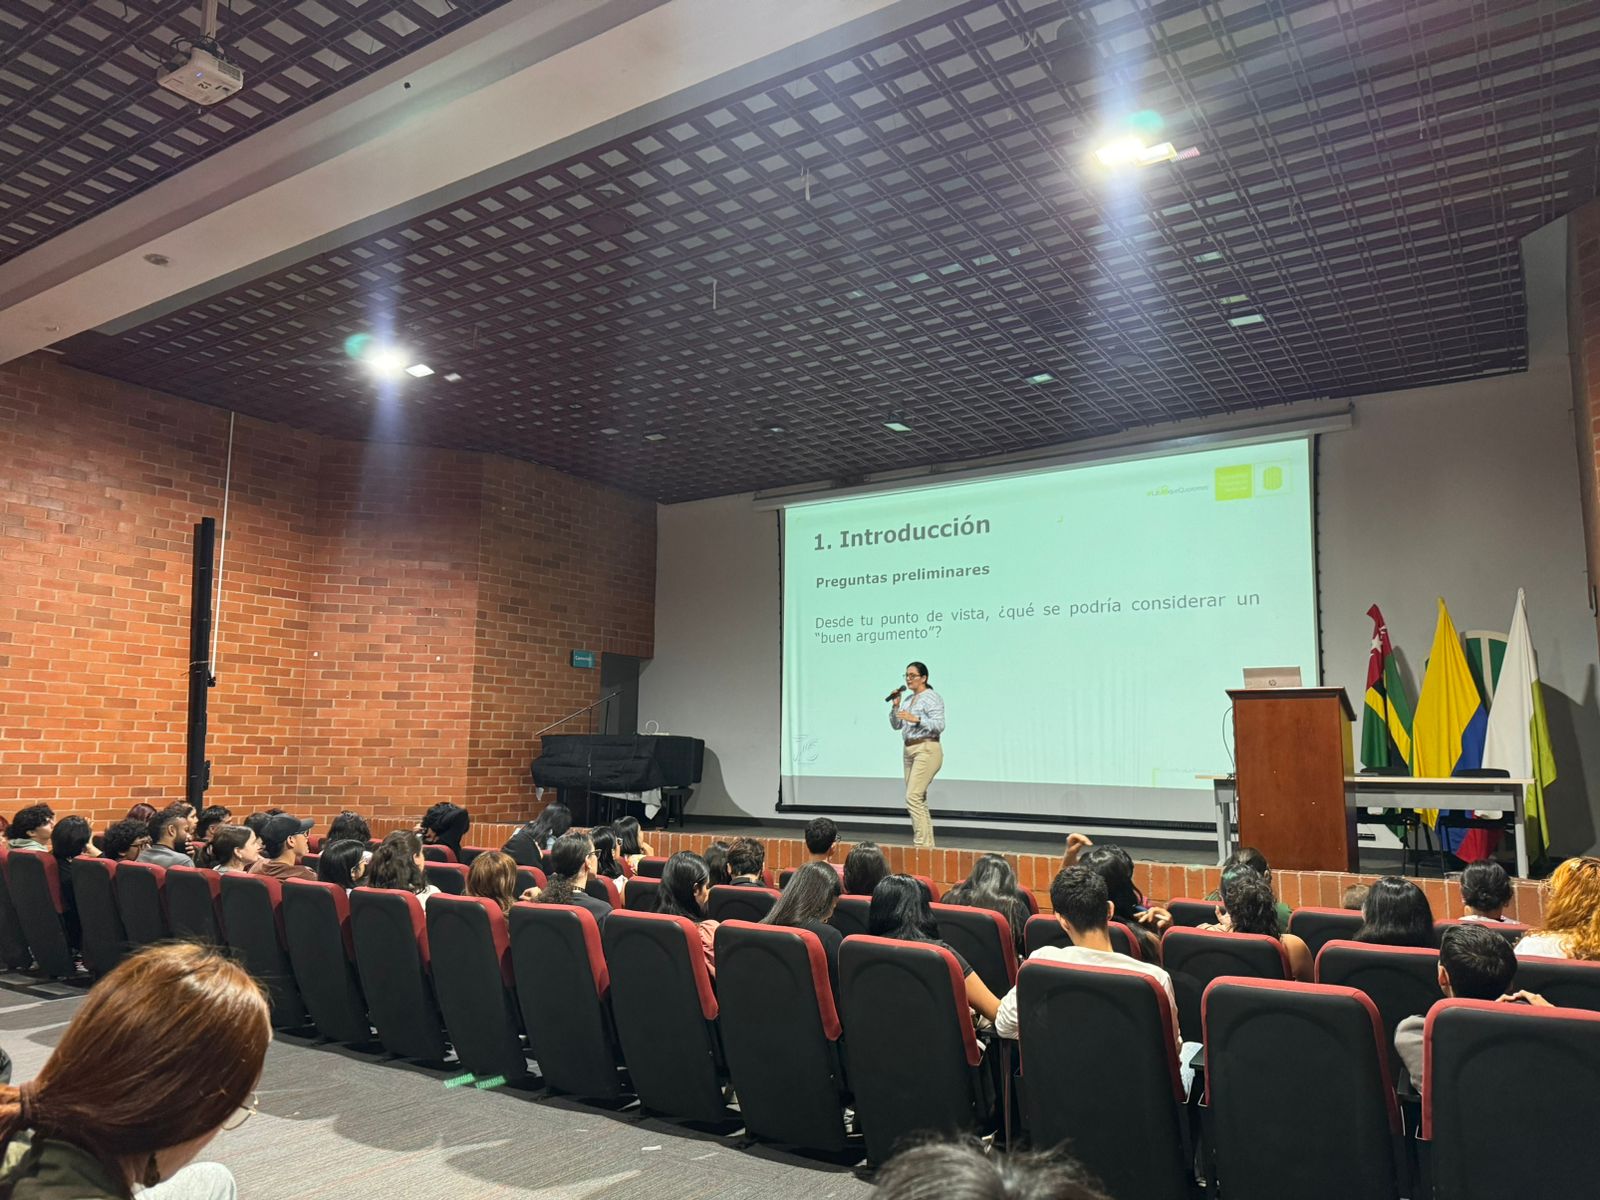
point(1248, 906)
point(1397, 913)
point(529, 844)
point(231, 848)
point(685, 888)
point(992, 884)
point(71, 837)
point(605, 842)
point(807, 902)
point(343, 862)
point(1115, 865)
point(864, 867)
point(630, 842)
point(572, 862)
point(110, 1112)
point(900, 910)
point(717, 863)
point(397, 864)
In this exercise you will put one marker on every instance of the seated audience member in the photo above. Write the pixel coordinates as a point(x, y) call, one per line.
point(397, 865)
point(606, 865)
point(1397, 913)
point(1077, 843)
point(1250, 859)
point(31, 828)
point(109, 1115)
point(685, 888)
point(529, 844)
point(167, 845)
point(343, 862)
point(864, 868)
point(1355, 897)
point(1083, 908)
point(572, 861)
point(992, 884)
point(746, 858)
point(962, 1171)
point(1248, 906)
point(284, 842)
point(821, 837)
point(1148, 921)
point(1571, 914)
point(142, 813)
point(125, 841)
point(232, 848)
point(717, 863)
point(351, 826)
point(209, 820)
point(445, 824)
point(493, 875)
point(631, 845)
point(258, 820)
point(71, 837)
point(900, 910)
point(807, 903)
point(1485, 890)
point(1474, 964)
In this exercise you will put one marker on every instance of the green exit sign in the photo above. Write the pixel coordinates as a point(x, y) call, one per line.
point(584, 659)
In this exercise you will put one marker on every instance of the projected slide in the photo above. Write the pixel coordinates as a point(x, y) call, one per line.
point(1081, 625)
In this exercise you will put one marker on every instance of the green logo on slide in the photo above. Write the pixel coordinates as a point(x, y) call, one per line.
point(1236, 483)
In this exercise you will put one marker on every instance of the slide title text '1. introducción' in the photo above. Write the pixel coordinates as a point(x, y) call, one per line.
point(967, 526)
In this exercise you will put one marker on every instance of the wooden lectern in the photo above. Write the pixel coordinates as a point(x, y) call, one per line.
point(1292, 751)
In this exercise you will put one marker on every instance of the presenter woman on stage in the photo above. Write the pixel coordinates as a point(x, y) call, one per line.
point(920, 720)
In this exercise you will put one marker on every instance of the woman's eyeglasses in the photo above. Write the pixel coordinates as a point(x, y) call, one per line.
point(246, 1111)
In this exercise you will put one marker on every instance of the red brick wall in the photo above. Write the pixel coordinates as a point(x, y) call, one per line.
point(395, 620)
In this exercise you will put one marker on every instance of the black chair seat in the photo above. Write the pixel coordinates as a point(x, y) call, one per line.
point(316, 927)
point(252, 921)
point(94, 886)
point(392, 958)
point(142, 897)
point(473, 980)
point(729, 903)
point(194, 905)
point(35, 884)
point(1195, 957)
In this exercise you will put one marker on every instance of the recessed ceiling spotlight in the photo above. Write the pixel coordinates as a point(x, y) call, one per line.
point(609, 430)
point(1041, 377)
point(386, 362)
point(157, 260)
point(419, 370)
point(775, 429)
point(1210, 256)
point(1247, 319)
point(655, 437)
point(897, 426)
point(452, 377)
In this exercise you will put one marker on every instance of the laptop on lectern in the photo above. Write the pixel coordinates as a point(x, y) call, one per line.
point(1272, 677)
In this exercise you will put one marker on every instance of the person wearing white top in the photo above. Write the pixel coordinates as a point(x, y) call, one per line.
point(1571, 914)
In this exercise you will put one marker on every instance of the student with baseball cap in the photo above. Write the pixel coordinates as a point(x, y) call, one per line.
point(283, 845)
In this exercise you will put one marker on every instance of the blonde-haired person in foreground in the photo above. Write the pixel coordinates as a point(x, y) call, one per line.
point(1571, 914)
point(165, 1052)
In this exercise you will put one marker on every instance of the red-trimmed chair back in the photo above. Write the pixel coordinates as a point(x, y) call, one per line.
point(780, 1032)
point(142, 897)
point(94, 888)
point(1045, 930)
point(605, 889)
point(1030, 900)
point(1190, 913)
point(530, 877)
point(435, 853)
point(642, 894)
point(450, 878)
point(651, 866)
point(36, 894)
point(1316, 927)
point(1283, 1058)
point(392, 959)
point(666, 1014)
point(930, 887)
point(850, 915)
point(14, 948)
point(316, 927)
point(1402, 981)
point(1194, 957)
point(473, 980)
point(252, 920)
point(1135, 1147)
point(194, 905)
point(563, 992)
point(730, 903)
point(915, 1065)
point(1512, 931)
point(1565, 982)
point(1510, 1075)
point(983, 938)
point(468, 853)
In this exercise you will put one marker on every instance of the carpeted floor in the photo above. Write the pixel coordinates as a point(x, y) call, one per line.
point(337, 1124)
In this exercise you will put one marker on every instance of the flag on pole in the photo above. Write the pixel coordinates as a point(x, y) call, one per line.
point(1448, 729)
point(1386, 717)
point(1517, 738)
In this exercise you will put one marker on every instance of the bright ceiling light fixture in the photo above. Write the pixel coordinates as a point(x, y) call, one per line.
point(386, 362)
point(1137, 142)
point(897, 426)
point(1041, 377)
point(419, 370)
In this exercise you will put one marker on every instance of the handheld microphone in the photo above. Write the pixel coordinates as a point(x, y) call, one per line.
point(894, 695)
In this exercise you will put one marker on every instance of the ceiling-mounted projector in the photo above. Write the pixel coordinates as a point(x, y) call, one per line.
point(201, 76)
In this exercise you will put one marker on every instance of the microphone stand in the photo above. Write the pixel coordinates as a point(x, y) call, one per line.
point(588, 766)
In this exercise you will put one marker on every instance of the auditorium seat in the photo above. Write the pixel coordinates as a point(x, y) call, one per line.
point(729, 903)
point(252, 921)
point(915, 1065)
point(142, 898)
point(392, 958)
point(529, 877)
point(1510, 930)
point(194, 905)
point(1030, 900)
point(468, 853)
point(1194, 957)
point(982, 937)
point(1318, 926)
point(666, 1014)
point(476, 989)
point(930, 887)
point(651, 866)
point(36, 894)
point(605, 889)
point(789, 873)
point(641, 894)
point(435, 853)
point(1045, 930)
point(1190, 913)
point(1079, 1023)
point(1298, 1094)
point(450, 878)
point(850, 915)
point(310, 862)
point(1508, 1101)
point(14, 949)
point(316, 929)
point(94, 889)
point(1401, 981)
point(314, 842)
point(1565, 982)
point(564, 993)
point(780, 1032)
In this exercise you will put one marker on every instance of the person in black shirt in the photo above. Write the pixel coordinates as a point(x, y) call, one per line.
point(445, 824)
point(900, 910)
point(572, 861)
point(807, 903)
point(529, 844)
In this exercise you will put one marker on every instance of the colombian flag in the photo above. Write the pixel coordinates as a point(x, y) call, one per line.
point(1447, 734)
point(1386, 718)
